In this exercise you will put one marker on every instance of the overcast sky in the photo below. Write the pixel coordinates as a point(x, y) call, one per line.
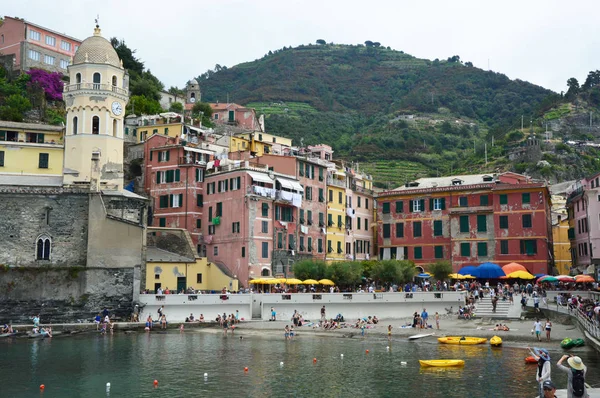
point(543, 42)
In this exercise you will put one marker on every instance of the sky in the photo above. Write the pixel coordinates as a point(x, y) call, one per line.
point(542, 42)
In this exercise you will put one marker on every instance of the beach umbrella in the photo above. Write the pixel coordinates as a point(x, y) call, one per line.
point(456, 276)
point(519, 275)
point(565, 278)
point(468, 270)
point(488, 271)
point(584, 279)
point(424, 275)
point(512, 267)
point(468, 277)
point(257, 281)
point(539, 275)
point(547, 278)
point(326, 282)
point(292, 281)
point(272, 281)
point(310, 282)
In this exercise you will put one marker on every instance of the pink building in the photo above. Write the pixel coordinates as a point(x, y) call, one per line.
point(173, 178)
point(583, 205)
point(27, 45)
point(359, 217)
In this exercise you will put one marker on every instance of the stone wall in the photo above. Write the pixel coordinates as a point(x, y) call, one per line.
point(62, 295)
point(27, 215)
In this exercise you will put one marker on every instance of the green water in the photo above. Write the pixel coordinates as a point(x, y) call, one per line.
point(81, 367)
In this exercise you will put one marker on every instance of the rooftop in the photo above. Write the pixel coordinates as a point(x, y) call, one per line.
point(4, 125)
point(156, 255)
point(436, 182)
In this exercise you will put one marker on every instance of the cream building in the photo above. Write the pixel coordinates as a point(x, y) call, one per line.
point(95, 104)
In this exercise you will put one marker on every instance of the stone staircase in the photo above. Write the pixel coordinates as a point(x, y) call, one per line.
point(504, 309)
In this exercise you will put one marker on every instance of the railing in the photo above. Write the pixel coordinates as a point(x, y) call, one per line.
point(183, 160)
point(336, 182)
point(96, 87)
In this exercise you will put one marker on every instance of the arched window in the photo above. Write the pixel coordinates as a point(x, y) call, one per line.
point(193, 95)
point(43, 247)
point(78, 80)
point(114, 81)
point(264, 272)
point(114, 127)
point(96, 81)
point(95, 125)
point(75, 125)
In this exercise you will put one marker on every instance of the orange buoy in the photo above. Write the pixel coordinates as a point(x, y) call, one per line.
point(314, 360)
point(367, 351)
point(246, 369)
point(155, 382)
point(42, 386)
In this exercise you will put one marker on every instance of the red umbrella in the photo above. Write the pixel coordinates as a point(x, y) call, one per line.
point(565, 278)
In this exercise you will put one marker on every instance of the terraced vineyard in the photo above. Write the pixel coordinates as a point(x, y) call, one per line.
point(393, 173)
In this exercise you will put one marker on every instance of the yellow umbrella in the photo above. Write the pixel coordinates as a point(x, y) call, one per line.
point(456, 276)
point(468, 277)
point(292, 281)
point(258, 281)
point(520, 275)
point(326, 282)
point(272, 281)
point(310, 282)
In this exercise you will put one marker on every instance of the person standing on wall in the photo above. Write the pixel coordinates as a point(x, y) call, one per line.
point(576, 373)
point(323, 314)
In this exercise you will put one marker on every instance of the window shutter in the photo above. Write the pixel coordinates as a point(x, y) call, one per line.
point(422, 204)
point(199, 200)
point(151, 155)
point(177, 175)
point(239, 182)
point(168, 156)
point(180, 200)
point(443, 203)
point(430, 204)
point(197, 175)
point(158, 177)
point(411, 205)
point(170, 200)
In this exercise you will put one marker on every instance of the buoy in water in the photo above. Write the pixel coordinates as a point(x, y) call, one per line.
point(205, 374)
point(42, 386)
point(314, 360)
point(402, 363)
point(280, 363)
point(342, 355)
point(155, 382)
point(107, 386)
point(366, 351)
point(246, 369)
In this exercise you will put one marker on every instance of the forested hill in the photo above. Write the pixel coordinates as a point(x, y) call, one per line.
point(373, 103)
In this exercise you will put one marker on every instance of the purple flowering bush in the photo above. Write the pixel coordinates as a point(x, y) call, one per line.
point(50, 82)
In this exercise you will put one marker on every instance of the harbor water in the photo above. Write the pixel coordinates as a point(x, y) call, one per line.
point(82, 366)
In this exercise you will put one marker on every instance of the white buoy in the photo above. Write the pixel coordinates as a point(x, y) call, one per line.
point(387, 348)
point(402, 363)
point(280, 363)
point(342, 355)
point(205, 374)
point(107, 385)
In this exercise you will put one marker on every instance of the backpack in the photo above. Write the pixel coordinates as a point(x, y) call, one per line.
point(578, 383)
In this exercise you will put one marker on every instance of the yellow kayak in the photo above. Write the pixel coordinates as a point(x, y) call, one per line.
point(496, 341)
point(462, 340)
point(441, 363)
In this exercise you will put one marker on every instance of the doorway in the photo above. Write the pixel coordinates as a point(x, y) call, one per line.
point(181, 283)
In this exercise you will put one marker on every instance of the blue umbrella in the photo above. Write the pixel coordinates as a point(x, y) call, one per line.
point(539, 275)
point(468, 270)
point(488, 270)
point(424, 276)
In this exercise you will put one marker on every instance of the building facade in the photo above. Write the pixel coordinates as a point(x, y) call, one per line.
point(34, 46)
point(467, 220)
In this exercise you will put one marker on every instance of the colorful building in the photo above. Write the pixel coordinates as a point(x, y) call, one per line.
point(235, 115)
point(583, 204)
point(33, 46)
point(560, 228)
point(31, 154)
point(360, 215)
point(467, 220)
point(336, 215)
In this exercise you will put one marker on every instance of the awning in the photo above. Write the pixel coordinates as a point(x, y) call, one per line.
point(290, 184)
point(258, 177)
point(189, 149)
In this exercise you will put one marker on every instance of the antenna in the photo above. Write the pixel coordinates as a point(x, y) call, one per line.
point(97, 20)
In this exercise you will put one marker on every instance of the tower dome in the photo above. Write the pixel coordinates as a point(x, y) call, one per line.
point(96, 50)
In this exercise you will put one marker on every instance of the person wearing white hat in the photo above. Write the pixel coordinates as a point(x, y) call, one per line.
point(576, 376)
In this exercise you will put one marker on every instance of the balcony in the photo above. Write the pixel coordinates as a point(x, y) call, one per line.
point(187, 161)
point(95, 87)
point(264, 192)
point(336, 182)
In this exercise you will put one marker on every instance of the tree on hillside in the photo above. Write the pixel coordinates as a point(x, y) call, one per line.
point(592, 80)
point(204, 110)
point(469, 64)
point(321, 41)
point(376, 44)
point(573, 85)
point(454, 58)
point(14, 108)
point(130, 62)
point(176, 107)
point(369, 43)
point(142, 105)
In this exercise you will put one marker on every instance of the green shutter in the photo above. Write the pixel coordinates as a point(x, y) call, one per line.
point(399, 229)
point(526, 198)
point(422, 203)
point(199, 200)
point(180, 200)
point(158, 177)
point(503, 222)
point(210, 214)
point(239, 182)
point(439, 252)
point(386, 230)
point(170, 200)
point(399, 206)
point(464, 223)
point(162, 222)
point(411, 207)
point(385, 207)
point(418, 253)
point(177, 175)
point(437, 228)
point(168, 155)
point(465, 250)
point(503, 199)
point(443, 203)
point(482, 249)
point(430, 204)
point(277, 213)
point(481, 223)
point(197, 175)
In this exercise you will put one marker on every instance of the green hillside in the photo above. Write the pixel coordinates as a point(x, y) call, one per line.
point(398, 115)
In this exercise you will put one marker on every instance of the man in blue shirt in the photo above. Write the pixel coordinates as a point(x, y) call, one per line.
point(424, 316)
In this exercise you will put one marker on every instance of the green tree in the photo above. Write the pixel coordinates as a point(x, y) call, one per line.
point(309, 269)
point(440, 269)
point(204, 110)
point(573, 85)
point(345, 273)
point(14, 108)
point(176, 107)
point(321, 42)
point(367, 268)
point(387, 272)
point(369, 43)
point(130, 62)
point(141, 105)
point(407, 271)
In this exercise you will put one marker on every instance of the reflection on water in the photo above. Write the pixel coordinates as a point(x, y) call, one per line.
point(81, 366)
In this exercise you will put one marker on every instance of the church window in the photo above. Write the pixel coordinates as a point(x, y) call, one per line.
point(114, 81)
point(114, 127)
point(43, 247)
point(75, 125)
point(78, 80)
point(97, 81)
point(95, 125)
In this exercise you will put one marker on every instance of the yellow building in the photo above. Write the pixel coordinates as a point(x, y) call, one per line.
point(31, 154)
point(336, 215)
point(560, 235)
point(169, 129)
point(172, 264)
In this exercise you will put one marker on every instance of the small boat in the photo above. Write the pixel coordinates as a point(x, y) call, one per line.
point(462, 340)
point(579, 342)
point(496, 341)
point(419, 336)
point(567, 343)
point(530, 359)
point(441, 363)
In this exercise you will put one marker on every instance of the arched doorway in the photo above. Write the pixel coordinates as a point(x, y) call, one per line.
point(95, 125)
point(265, 272)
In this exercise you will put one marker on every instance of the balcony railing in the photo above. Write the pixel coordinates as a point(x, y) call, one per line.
point(96, 87)
point(184, 160)
point(336, 182)
point(265, 192)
